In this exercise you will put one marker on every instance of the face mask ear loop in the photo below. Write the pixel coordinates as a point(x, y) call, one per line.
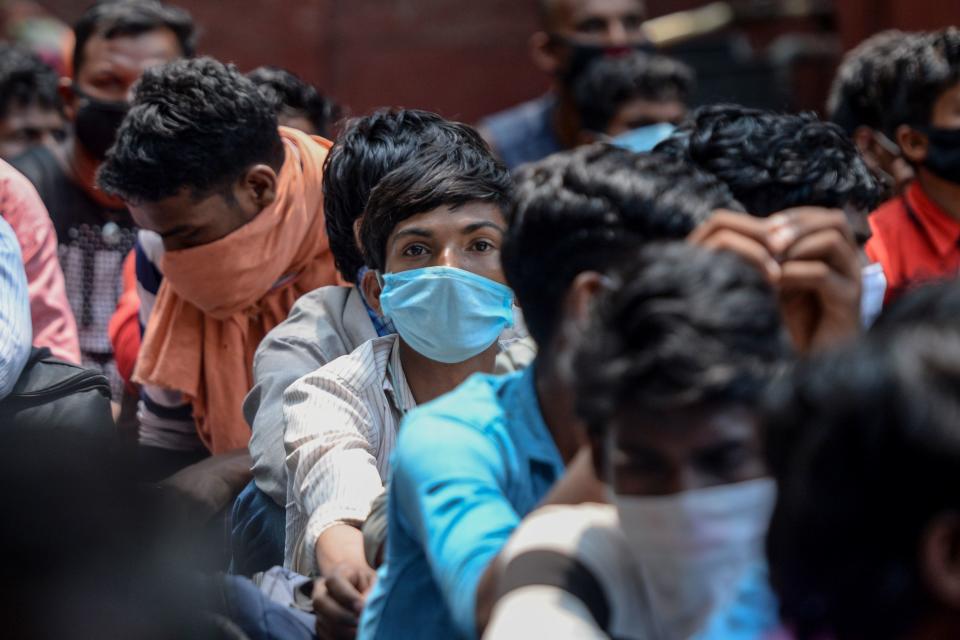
point(379, 277)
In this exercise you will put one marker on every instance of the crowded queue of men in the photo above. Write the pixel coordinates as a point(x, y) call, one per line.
point(599, 367)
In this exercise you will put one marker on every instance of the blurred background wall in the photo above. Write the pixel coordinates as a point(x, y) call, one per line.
point(467, 58)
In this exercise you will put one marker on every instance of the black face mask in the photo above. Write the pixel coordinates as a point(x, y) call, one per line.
point(584, 55)
point(943, 154)
point(97, 122)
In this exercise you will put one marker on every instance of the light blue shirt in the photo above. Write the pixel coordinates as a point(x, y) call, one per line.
point(467, 468)
point(16, 332)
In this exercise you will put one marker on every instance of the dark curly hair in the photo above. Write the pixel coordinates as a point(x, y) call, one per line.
point(196, 124)
point(774, 161)
point(26, 80)
point(584, 209)
point(117, 18)
point(368, 149)
point(440, 175)
point(924, 72)
point(679, 327)
point(865, 448)
point(289, 94)
point(866, 83)
point(609, 83)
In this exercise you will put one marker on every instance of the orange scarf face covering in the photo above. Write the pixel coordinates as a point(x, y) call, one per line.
point(219, 300)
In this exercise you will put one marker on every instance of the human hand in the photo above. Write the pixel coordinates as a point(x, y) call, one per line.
point(339, 598)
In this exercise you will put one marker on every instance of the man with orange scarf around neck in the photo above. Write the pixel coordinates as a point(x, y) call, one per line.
point(236, 208)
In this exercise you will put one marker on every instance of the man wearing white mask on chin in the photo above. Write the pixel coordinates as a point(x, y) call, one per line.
point(685, 339)
point(431, 236)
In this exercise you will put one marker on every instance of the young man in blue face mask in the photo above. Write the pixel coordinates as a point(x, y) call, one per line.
point(681, 345)
point(915, 236)
point(573, 34)
point(431, 235)
point(470, 465)
point(636, 100)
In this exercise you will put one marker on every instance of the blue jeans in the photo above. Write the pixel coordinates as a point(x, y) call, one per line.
point(257, 532)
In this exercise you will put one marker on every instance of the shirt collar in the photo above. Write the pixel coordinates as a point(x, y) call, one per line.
point(541, 446)
point(941, 230)
point(395, 382)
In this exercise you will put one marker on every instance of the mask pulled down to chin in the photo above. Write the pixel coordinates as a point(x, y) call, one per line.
point(693, 549)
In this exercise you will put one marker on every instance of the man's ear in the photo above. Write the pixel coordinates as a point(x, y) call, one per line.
point(69, 98)
point(257, 188)
point(579, 299)
point(544, 53)
point(371, 290)
point(914, 144)
point(940, 559)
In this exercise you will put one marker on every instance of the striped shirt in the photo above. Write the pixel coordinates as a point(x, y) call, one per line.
point(15, 331)
point(341, 428)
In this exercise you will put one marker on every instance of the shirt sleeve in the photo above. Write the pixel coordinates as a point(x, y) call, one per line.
point(15, 330)
point(448, 480)
point(279, 362)
point(331, 438)
point(165, 418)
point(53, 323)
point(542, 612)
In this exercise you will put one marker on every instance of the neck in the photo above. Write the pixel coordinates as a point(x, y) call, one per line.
point(566, 119)
point(82, 168)
point(557, 406)
point(944, 193)
point(429, 379)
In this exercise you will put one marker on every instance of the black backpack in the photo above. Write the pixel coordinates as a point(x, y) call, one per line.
point(52, 394)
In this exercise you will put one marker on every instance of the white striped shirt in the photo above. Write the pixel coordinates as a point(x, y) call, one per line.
point(341, 427)
point(16, 332)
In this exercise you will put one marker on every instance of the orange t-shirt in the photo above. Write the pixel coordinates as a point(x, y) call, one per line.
point(914, 240)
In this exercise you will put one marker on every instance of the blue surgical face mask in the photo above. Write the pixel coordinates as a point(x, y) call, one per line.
point(446, 314)
point(644, 139)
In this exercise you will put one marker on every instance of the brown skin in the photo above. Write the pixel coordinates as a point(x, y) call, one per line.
point(637, 113)
point(608, 23)
point(29, 125)
point(651, 455)
point(939, 558)
point(884, 158)
point(915, 146)
point(184, 221)
point(109, 70)
point(468, 238)
point(809, 256)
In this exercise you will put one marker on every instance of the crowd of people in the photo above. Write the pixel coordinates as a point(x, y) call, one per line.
point(604, 365)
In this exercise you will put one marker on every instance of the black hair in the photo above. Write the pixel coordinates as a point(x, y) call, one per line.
point(367, 150)
point(194, 123)
point(775, 161)
point(929, 67)
point(117, 18)
point(679, 327)
point(25, 80)
point(582, 210)
point(609, 83)
point(289, 94)
point(934, 302)
point(865, 448)
point(866, 83)
point(441, 175)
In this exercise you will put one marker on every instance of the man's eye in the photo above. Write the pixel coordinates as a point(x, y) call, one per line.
point(592, 26)
point(482, 246)
point(631, 23)
point(414, 251)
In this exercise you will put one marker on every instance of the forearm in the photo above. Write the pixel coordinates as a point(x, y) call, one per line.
point(339, 544)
